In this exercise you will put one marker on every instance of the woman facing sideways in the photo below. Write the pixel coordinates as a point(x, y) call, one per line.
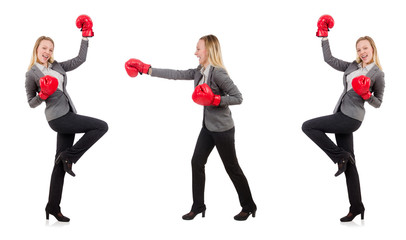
point(216, 92)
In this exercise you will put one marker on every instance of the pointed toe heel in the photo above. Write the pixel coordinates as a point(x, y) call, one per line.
point(59, 216)
point(350, 216)
point(67, 165)
point(191, 215)
point(242, 216)
point(342, 165)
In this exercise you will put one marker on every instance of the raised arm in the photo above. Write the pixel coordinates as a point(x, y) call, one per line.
point(73, 63)
point(336, 63)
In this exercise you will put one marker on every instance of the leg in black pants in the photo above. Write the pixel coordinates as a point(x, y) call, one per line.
point(66, 127)
point(343, 127)
point(204, 146)
point(71, 124)
point(58, 174)
point(224, 142)
point(345, 141)
point(337, 123)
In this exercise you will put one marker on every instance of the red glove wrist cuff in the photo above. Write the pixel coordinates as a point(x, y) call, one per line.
point(88, 33)
point(42, 96)
point(367, 96)
point(321, 33)
point(216, 100)
point(145, 68)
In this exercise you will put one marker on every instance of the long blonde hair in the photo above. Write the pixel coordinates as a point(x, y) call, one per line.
point(34, 57)
point(213, 49)
point(375, 57)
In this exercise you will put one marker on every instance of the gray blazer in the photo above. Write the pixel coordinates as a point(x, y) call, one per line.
point(59, 103)
point(350, 103)
point(215, 118)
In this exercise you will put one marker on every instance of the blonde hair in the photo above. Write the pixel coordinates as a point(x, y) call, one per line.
point(213, 49)
point(375, 57)
point(34, 57)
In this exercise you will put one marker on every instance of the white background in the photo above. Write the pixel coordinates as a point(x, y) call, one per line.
point(135, 183)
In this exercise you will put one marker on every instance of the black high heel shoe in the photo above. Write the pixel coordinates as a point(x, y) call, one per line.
point(350, 216)
point(242, 216)
point(67, 165)
point(191, 215)
point(59, 216)
point(342, 165)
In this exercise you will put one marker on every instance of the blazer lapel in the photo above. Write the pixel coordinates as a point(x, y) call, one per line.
point(353, 67)
point(210, 75)
point(37, 72)
point(57, 67)
point(372, 72)
point(198, 76)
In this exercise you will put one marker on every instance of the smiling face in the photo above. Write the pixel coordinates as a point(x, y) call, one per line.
point(44, 52)
point(202, 54)
point(365, 52)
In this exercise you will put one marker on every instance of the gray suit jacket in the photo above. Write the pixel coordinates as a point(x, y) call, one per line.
point(350, 103)
point(216, 118)
point(59, 103)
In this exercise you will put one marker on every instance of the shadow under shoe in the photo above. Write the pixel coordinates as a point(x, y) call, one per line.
point(342, 165)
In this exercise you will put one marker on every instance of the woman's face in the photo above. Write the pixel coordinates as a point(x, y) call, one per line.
point(45, 51)
point(365, 52)
point(201, 53)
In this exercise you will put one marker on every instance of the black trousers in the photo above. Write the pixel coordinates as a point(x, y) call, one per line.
point(224, 142)
point(343, 127)
point(66, 127)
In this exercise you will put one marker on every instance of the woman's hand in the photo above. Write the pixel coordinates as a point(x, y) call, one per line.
point(48, 85)
point(361, 86)
point(135, 66)
point(86, 24)
point(323, 25)
point(203, 95)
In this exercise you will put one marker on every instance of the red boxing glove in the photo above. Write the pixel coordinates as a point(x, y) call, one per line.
point(323, 25)
point(361, 86)
point(85, 23)
point(135, 66)
point(203, 95)
point(48, 85)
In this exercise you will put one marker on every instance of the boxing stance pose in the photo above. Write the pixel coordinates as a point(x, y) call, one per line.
point(48, 78)
point(215, 91)
point(363, 82)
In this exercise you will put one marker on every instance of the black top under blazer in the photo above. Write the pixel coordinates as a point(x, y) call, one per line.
point(59, 103)
point(216, 118)
point(350, 103)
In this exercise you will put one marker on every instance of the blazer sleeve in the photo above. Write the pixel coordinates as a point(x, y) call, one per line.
point(73, 63)
point(31, 89)
point(173, 74)
point(377, 89)
point(233, 95)
point(336, 63)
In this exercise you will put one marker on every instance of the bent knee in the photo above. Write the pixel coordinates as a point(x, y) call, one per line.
point(306, 126)
point(104, 127)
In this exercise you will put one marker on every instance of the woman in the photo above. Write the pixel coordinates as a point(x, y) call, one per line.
point(363, 81)
point(46, 81)
point(216, 91)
